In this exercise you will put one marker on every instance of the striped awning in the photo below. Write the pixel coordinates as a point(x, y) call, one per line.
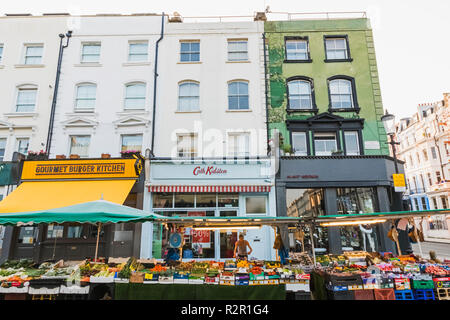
point(209, 188)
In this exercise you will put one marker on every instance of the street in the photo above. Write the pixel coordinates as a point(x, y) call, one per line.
point(442, 249)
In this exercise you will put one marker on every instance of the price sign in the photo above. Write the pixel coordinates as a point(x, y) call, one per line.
point(399, 182)
point(201, 236)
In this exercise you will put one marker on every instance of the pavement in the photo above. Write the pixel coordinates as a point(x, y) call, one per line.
point(442, 249)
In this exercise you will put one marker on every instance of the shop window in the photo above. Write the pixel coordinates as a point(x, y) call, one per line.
point(305, 202)
point(55, 231)
point(228, 213)
point(359, 238)
point(237, 50)
point(131, 142)
point(228, 200)
point(299, 144)
point(206, 200)
point(138, 51)
point(227, 241)
point(437, 223)
point(162, 200)
point(356, 200)
point(80, 145)
point(74, 231)
point(198, 244)
point(90, 53)
point(325, 143)
point(351, 143)
point(255, 205)
point(187, 145)
point(2, 148)
point(190, 51)
point(184, 200)
point(27, 235)
point(22, 145)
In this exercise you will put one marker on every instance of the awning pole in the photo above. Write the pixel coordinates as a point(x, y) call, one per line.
point(312, 243)
point(98, 237)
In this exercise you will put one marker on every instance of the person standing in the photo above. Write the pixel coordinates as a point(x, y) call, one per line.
point(241, 247)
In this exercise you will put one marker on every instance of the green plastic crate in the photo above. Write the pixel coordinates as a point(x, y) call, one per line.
point(422, 284)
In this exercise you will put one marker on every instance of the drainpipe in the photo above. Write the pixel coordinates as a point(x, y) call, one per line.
point(266, 92)
point(154, 84)
point(55, 90)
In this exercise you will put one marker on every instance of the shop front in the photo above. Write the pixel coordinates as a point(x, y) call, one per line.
point(342, 185)
point(209, 188)
point(58, 183)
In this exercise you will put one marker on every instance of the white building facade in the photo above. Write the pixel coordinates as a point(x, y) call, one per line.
point(210, 126)
point(425, 147)
point(29, 48)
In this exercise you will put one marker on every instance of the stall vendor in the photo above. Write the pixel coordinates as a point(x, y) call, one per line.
point(241, 248)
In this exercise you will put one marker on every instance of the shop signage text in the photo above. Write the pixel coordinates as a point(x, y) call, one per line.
point(208, 171)
point(80, 169)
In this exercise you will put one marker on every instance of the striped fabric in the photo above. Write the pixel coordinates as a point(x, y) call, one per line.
point(209, 189)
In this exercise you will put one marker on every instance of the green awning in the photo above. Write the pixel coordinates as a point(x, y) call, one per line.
point(99, 211)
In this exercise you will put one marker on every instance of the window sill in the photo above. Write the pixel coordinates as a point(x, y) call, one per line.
point(243, 110)
point(303, 110)
point(337, 60)
point(190, 62)
point(297, 61)
point(134, 111)
point(135, 64)
point(332, 110)
point(243, 61)
point(21, 114)
point(78, 111)
point(88, 65)
point(29, 66)
point(198, 111)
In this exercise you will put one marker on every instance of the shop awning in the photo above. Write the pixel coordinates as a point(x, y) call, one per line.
point(206, 189)
point(99, 211)
point(44, 195)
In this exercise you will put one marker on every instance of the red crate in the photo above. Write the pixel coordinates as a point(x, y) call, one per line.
point(364, 295)
point(384, 294)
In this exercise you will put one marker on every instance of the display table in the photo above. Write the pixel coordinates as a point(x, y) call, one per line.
point(138, 291)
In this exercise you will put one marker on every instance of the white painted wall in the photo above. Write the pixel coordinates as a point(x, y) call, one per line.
point(213, 72)
point(15, 32)
point(109, 120)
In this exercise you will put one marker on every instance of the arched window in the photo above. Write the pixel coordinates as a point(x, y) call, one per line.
point(238, 95)
point(300, 95)
point(188, 96)
point(86, 95)
point(135, 96)
point(341, 94)
point(26, 98)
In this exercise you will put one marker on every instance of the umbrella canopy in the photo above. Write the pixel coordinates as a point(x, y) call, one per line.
point(99, 211)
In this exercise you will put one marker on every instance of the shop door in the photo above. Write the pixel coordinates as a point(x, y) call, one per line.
point(122, 242)
point(24, 242)
point(258, 242)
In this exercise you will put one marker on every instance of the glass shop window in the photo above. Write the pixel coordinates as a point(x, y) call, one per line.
point(27, 235)
point(184, 200)
point(227, 242)
point(55, 231)
point(228, 213)
point(356, 200)
point(198, 244)
point(74, 232)
point(305, 202)
point(255, 205)
point(162, 200)
point(357, 238)
point(228, 200)
point(206, 200)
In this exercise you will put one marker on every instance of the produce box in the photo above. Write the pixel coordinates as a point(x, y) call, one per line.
point(294, 287)
point(372, 282)
point(272, 282)
point(257, 282)
point(242, 282)
point(226, 282)
point(212, 280)
point(41, 291)
point(244, 277)
point(442, 282)
point(73, 290)
point(180, 280)
point(95, 279)
point(165, 279)
point(257, 276)
point(24, 289)
point(342, 282)
point(386, 283)
point(121, 280)
point(137, 277)
point(402, 284)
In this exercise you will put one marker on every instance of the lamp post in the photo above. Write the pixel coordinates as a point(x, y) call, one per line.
point(389, 125)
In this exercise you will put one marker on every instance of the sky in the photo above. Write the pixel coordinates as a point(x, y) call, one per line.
point(411, 36)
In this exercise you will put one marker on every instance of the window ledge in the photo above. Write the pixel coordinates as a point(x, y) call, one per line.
point(243, 61)
point(197, 111)
point(357, 109)
point(337, 60)
point(136, 111)
point(88, 65)
point(136, 64)
point(302, 110)
point(20, 114)
point(240, 110)
point(29, 65)
point(189, 62)
point(78, 111)
point(297, 61)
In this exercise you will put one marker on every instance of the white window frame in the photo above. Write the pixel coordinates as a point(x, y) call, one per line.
point(80, 135)
point(305, 136)
point(78, 109)
point(16, 147)
point(25, 49)
point(125, 96)
point(90, 43)
point(298, 96)
point(2, 52)
point(132, 134)
point(356, 133)
point(238, 95)
point(2, 158)
point(238, 135)
point(229, 41)
point(26, 87)
point(130, 43)
point(298, 51)
point(334, 50)
point(318, 134)
point(184, 82)
point(245, 196)
point(190, 52)
point(342, 94)
point(193, 144)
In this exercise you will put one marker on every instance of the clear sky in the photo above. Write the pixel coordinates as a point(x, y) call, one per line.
point(412, 40)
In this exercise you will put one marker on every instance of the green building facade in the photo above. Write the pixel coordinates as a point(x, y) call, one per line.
point(286, 61)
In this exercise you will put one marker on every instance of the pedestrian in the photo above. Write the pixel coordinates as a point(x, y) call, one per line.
point(241, 247)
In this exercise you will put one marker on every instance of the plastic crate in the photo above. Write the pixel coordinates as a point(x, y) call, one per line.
point(424, 294)
point(384, 294)
point(386, 283)
point(422, 284)
point(364, 295)
point(299, 295)
point(443, 293)
point(442, 282)
point(338, 283)
point(341, 295)
point(241, 282)
point(404, 295)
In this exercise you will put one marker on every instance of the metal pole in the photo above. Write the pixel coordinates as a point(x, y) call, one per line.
point(98, 237)
point(392, 143)
point(312, 242)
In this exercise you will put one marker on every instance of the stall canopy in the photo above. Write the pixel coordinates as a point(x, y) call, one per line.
point(100, 211)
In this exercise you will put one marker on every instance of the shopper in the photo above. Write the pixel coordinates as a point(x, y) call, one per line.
point(241, 248)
